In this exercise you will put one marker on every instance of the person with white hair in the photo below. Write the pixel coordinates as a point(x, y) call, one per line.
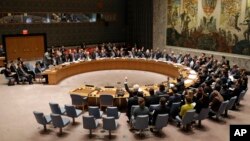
point(135, 91)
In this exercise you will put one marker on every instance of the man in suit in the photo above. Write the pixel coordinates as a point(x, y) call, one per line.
point(163, 109)
point(152, 99)
point(22, 74)
point(135, 90)
point(131, 101)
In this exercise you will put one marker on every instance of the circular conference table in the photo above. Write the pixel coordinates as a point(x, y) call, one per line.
point(56, 74)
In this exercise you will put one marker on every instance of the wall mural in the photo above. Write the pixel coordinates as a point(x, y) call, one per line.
point(217, 25)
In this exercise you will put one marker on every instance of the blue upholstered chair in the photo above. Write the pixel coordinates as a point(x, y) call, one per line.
point(202, 115)
point(141, 123)
point(161, 121)
point(79, 101)
point(95, 111)
point(186, 119)
point(230, 105)
point(55, 109)
point(59, 122)
point(72, 112)
point(113, 112)
point(42, 119)
point(221, 109)
point(109, 123)
point(106, 100)
point(89, 122)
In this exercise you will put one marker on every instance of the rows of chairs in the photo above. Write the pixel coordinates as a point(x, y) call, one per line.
point(225, 106)
point(89, 121)
point(141, 123)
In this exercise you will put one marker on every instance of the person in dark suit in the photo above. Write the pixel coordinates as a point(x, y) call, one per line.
point(131, 101)
point(203, 102)
point(135, 90)
point(13, 67)
point(180, 85)
point(22, 74)
point(152, 99)
point(7, 72)
point(162, 109)
point(161, 90)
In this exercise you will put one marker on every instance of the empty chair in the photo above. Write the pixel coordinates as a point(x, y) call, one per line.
point(56, 109)
point(109, 123)
point(141, 123)
point(95, 111)
point(230, 104)
point(202, 115)
point(42, 119)
point(89, 122)
point(72, 112)
point(113, 112)
point(186, 119)
point(106, 100)
point(59, 122)
point(79, 101)
point(161, 121)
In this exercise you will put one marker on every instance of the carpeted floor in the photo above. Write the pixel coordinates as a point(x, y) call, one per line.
point(17, 103)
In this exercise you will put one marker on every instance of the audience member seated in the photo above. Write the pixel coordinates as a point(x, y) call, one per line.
point(180, 85)
point(202, 102)
point(174, 98)
point(23, 75)
point(215, 101)
point(161, 90)
point(141, 110)
point(131, 101)
point(184, 109)
point(8, 73)
point(152, 99)
point(135, 90)
point(162, 109)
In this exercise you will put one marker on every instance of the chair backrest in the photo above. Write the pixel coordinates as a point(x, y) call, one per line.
point(132, 109)
point(141, 122)
point(112, 112)
point(94, 111)
point(76, 99)
point(188, 117)
point(175, 107)
point(40, 117)
point(57, 120)
point(161, 121)
point(55, 108)
point(106, 100)
point(89, 122)
point(222, 107)
point(242, 94)
point(70, 111)
point(203, 114)
point(109, 123)
point(231, 103)
point(153, 107)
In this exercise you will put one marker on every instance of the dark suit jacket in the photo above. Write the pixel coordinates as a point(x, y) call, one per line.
point(131, 92)
point(131, 101)
point(152, 100)
point(160, 110)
